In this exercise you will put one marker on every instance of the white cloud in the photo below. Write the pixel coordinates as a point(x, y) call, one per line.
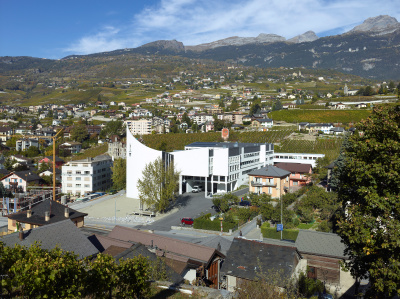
point(199, 21)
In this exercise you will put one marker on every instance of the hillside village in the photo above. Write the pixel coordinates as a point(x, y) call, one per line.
point(237, 139)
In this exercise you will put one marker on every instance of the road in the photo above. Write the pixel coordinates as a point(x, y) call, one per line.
point(190, 205)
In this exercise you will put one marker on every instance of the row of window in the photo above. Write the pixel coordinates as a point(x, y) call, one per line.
point(249, 162)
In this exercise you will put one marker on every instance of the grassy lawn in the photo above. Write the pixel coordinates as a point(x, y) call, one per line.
point(305, 225)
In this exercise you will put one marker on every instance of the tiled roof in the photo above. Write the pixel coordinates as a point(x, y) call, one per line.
point(38, 213)
point(140, 249)
point(63, 234)
point(102, 243)
point(182, 248)
point(320, 243)
point(270, 171)
point(294, 167)
point(246, 259)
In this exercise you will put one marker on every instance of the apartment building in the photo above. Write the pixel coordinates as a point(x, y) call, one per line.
point(139, 127)
point(87, 175)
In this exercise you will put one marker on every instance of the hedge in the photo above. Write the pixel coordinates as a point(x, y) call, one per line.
point(270, 232)
point(208, 224)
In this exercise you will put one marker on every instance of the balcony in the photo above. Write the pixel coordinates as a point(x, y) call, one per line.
point(262, 184)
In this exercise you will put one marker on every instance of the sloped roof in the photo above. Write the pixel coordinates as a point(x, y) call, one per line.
point(174, 246)
point(63, 234)
point(246, 258)
point(26, 175)
point(102, 243)
point(38, 213)
point(270, 171)
point(319, 243)
point(140, 249)
point(294, 167)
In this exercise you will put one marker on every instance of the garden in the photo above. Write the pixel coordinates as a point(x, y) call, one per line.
point(311, 207)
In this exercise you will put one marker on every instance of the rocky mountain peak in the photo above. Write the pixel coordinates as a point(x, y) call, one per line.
point(166, 45)
point(308, 36)
point(380, 24)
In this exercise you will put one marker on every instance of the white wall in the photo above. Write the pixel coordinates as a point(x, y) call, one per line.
point(192, 162)
point(137, 156)
point(221, 161)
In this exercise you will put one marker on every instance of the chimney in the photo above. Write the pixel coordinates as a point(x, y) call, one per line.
point(47, 216)
point(66, 212)
point(21, 232)
point(29, 213)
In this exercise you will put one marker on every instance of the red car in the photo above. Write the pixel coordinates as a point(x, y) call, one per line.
point(187, 221)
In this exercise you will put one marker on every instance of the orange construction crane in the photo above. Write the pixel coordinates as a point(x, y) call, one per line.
point(54, 162)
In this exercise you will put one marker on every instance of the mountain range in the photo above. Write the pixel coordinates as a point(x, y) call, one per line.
point(370, 50)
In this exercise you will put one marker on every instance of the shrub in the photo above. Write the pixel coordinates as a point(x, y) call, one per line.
point(270, 232)
point(215, 225)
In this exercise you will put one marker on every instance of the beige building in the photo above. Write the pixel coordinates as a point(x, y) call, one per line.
point(269, 180)
point(140, 127)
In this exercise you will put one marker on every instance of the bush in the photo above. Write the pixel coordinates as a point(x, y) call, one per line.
point(324, 226)
point(215, 225)
point(270, 232)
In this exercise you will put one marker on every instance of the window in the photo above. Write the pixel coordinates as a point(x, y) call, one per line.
point(295, 183)
point(87, 186)
point(78, 185)
point(78, 178)
point(269, 190)
point(78, 172)
point(20, 180)
point(69, 178)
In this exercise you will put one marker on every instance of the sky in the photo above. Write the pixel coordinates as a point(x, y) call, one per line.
point(55, 29)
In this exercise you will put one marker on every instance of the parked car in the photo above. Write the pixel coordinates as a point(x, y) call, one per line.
point(187, 221)
point(196, 189)
point(245, 203)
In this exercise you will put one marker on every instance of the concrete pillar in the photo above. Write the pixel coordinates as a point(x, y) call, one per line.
point(180, 184)
point(205, 187)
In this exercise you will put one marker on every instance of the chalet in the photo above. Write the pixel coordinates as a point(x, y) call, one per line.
point(44, 213)
point(323, 253)
point(247, 259)
point(17, 181)
point(195, 261)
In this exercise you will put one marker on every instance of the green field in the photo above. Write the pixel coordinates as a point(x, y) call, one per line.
point(320, 116)
point(328, 146)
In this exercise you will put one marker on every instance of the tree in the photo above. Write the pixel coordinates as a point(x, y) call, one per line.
point(158, 185)
point(119, 174)
point(369, 189)
point(32, 151)
point(79, 133)
point(115, 127)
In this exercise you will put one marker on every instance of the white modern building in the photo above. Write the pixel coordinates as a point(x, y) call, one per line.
point(297, 158)
point(87, 175)
point(215, 166)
